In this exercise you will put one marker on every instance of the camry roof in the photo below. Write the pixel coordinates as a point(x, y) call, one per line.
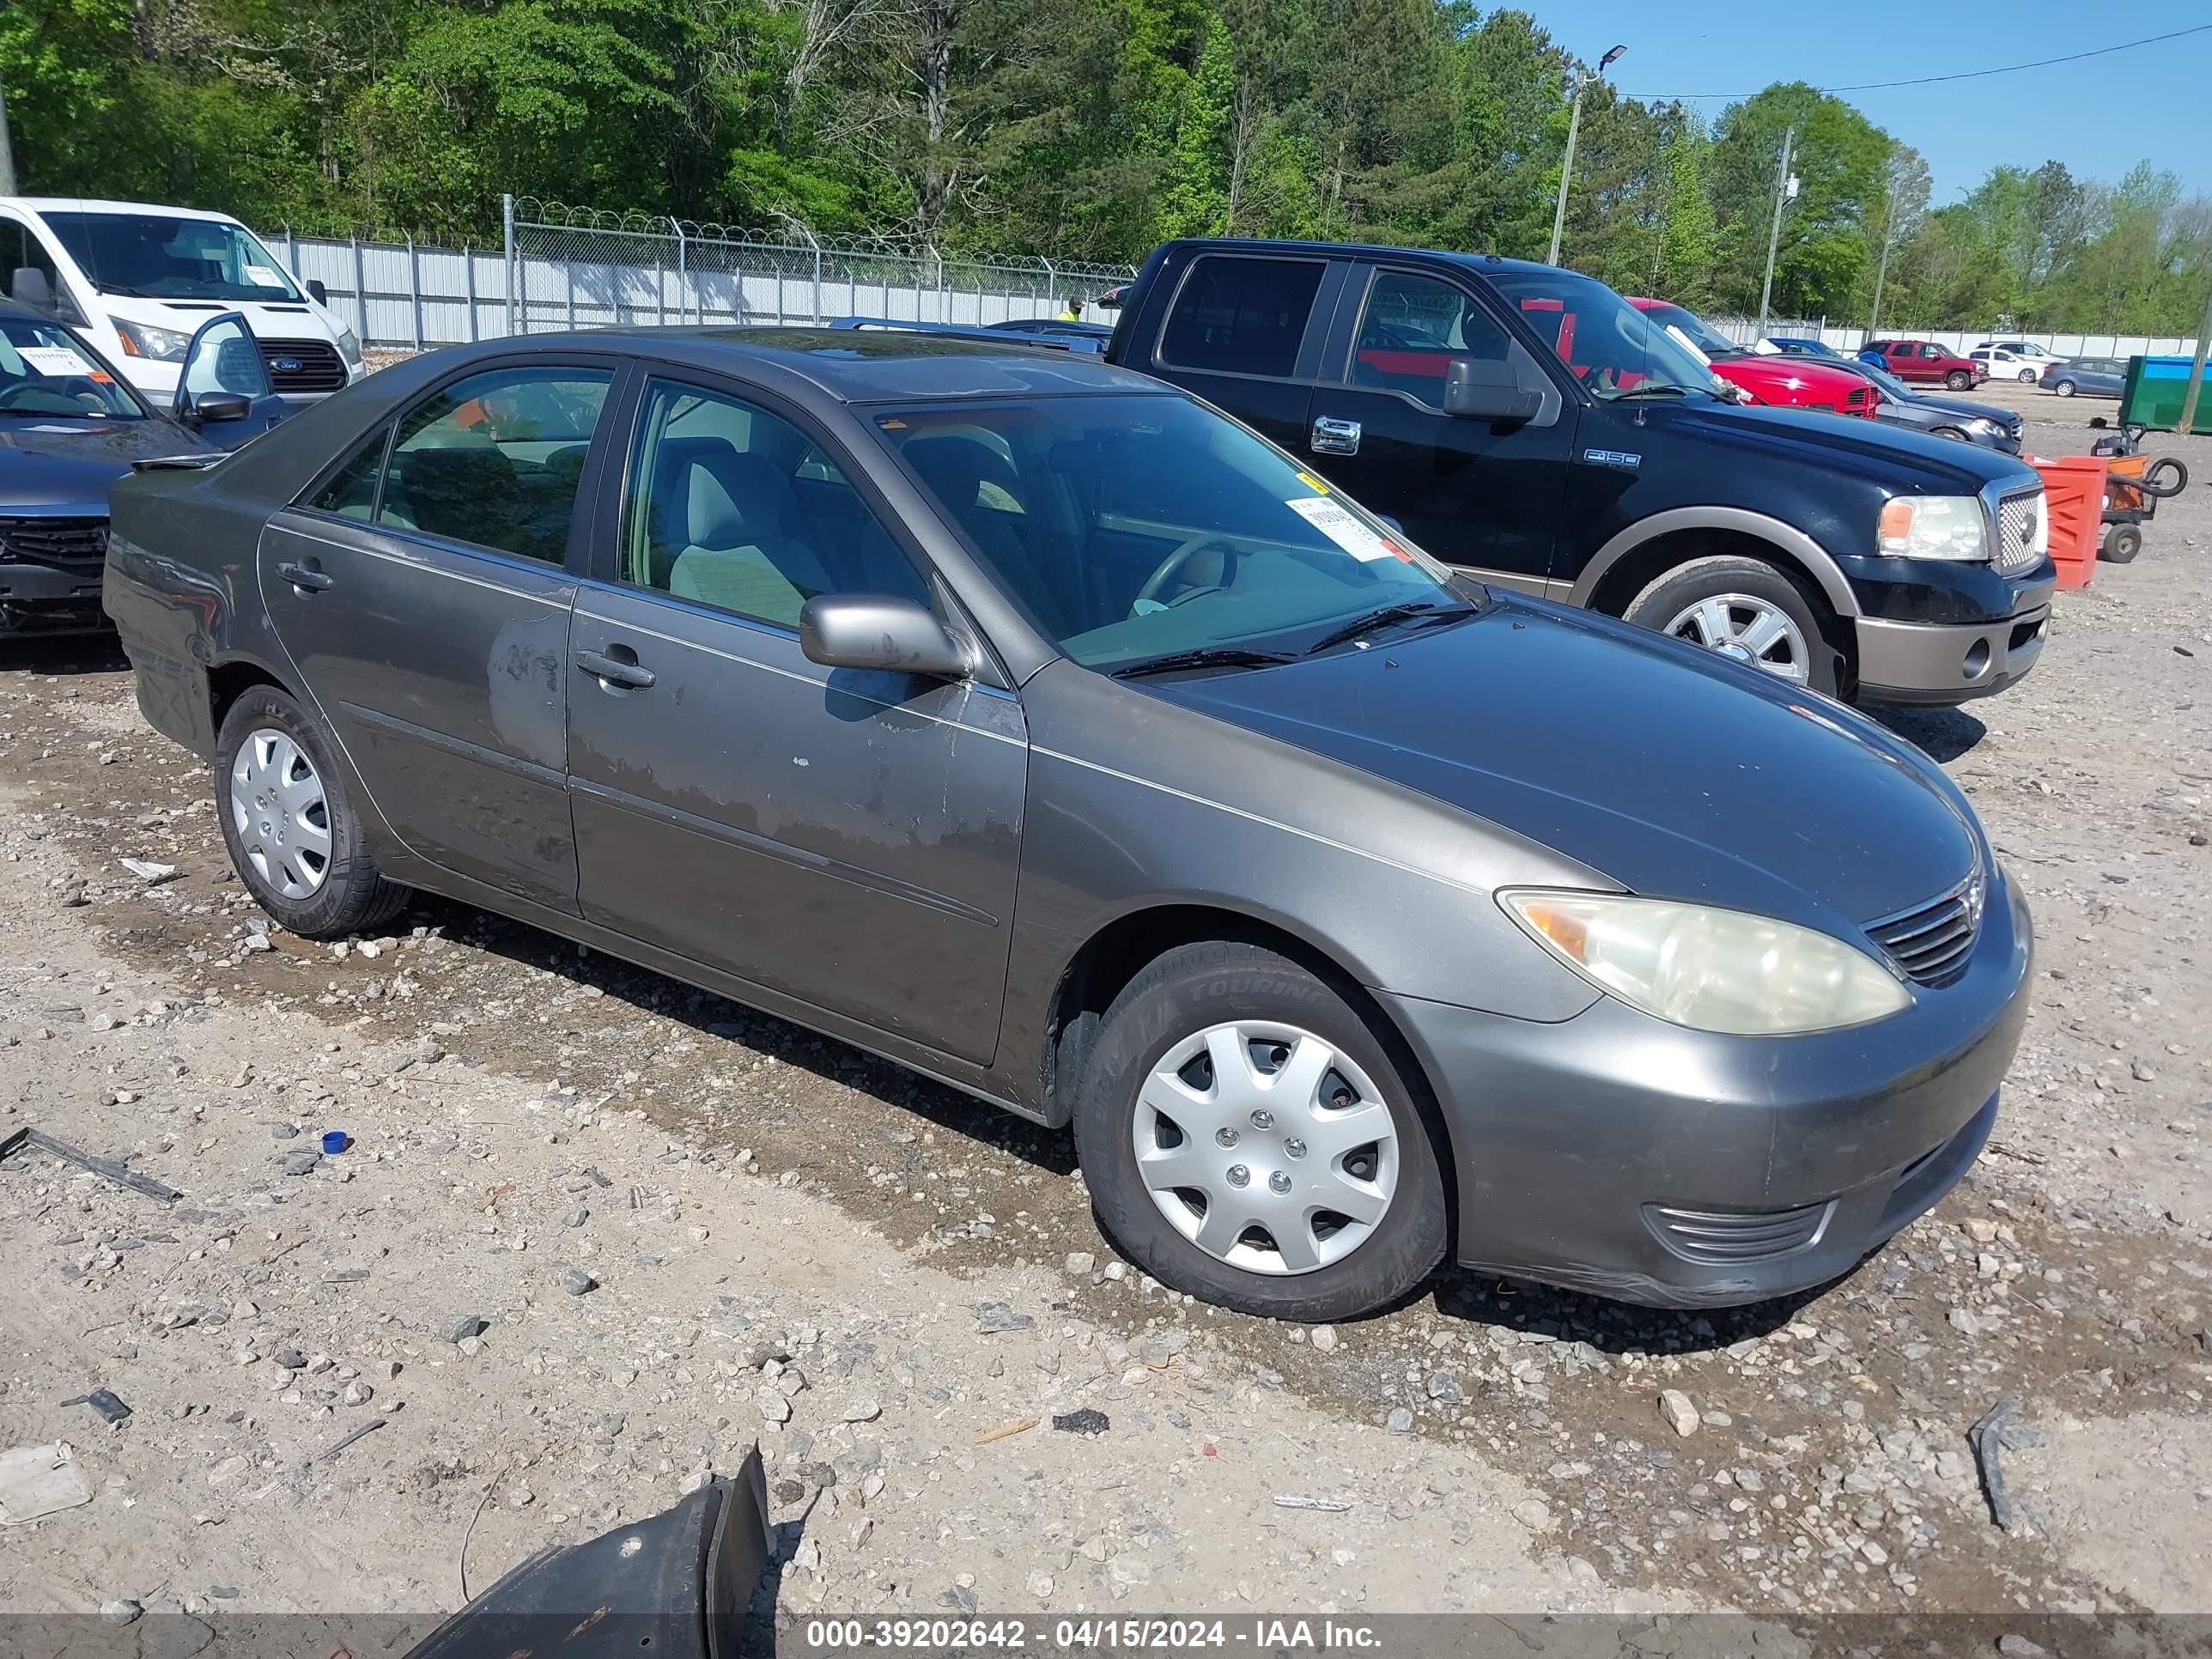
point(858, 365)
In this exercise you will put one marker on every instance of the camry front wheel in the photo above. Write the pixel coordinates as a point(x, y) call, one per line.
point(1247, 1139)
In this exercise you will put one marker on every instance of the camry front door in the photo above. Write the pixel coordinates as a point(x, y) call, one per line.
point(846, 839)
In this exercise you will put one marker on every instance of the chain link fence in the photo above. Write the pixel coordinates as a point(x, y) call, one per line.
point(571, 267)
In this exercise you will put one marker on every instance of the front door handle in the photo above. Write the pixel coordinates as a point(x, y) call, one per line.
point(1331, 436)
point(304, 578)
point(616, 665)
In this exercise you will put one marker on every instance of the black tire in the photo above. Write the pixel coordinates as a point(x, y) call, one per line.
point(1708, 578)
point(1950, 432)
point(2063, 387)
point(353, 896)
point(2027, 377)
point(2122, 542)
point(1958, 379)
point(1192, 989)
point(2165, 477)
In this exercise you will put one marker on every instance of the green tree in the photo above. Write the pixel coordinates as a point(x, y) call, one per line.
point(1838, 157)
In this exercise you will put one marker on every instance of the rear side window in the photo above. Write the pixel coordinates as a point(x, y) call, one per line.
point(1413, 327)
point(1239, 316)
point(352, 493)
point(495, 459)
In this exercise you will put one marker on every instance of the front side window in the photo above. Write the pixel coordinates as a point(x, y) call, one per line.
point(1136, 527)
point(495, 459)
point(1239, 316)
point(1612, 348)
point(1413, 327)
point(158, 256)
point(731, 505)
point(45, 371)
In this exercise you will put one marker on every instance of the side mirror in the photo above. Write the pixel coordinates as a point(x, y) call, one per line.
point(28, 286)
point(212, 406)
point(1485, 390)
point(879, 632)
point(316, 292)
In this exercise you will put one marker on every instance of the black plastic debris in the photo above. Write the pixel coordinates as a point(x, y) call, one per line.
point(111, 1409)
point(1085, 1421)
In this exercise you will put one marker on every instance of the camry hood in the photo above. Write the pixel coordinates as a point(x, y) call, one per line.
point(1676, 773)
point(61, 461)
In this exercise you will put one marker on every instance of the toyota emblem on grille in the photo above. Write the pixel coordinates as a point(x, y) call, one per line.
point(287, 365)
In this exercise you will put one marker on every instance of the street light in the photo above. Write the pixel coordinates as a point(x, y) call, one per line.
point(1567, 161)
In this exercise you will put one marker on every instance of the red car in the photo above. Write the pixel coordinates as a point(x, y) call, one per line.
point(1923, 362)
point(1787, 382)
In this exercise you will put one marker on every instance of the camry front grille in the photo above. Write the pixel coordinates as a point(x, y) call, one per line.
point(1930, 943)
point(2017, 517)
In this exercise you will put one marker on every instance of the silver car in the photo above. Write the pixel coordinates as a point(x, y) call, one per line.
point(1027, 721)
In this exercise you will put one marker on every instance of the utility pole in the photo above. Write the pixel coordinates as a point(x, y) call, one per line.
point(7, 150)
point(1567, 161)
point(1881, 271)
point(1784, 188)
point(2196, 372)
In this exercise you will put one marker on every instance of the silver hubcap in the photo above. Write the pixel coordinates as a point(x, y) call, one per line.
point(1749, 629)
point(276, 806)
point(1266, 1146)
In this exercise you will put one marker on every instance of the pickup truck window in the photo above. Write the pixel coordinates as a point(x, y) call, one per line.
point(1414, 327)
point(1238, 316)
point(1613, 349)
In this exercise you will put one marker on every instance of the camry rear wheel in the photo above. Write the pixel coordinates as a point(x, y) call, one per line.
point(1248, 1139)
point(288, 820)
point(1744, 609)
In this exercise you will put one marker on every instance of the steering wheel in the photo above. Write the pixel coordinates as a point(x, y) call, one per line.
point(1164, 574)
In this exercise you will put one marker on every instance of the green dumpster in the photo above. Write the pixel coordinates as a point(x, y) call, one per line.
point(2154, 391)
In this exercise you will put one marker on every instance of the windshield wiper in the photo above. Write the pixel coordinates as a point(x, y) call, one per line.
point(1382, 618)
point(1212, 656)
point(1652, 389)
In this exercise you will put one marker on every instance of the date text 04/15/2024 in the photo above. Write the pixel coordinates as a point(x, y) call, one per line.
point(1092, 1635)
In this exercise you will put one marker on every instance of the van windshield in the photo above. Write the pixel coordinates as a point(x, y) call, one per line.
point(150, 256)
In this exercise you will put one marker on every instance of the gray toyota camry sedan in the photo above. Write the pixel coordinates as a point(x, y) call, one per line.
point(1029, 723)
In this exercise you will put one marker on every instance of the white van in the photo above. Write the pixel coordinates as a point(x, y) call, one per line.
point(139, 279)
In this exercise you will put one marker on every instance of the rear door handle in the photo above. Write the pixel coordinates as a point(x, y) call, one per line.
point(1331, 436)
point(306, 577)
point(612, 670)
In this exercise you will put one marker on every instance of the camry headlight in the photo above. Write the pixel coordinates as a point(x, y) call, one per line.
point(350, 346)
point(144, 340)
point(1934, 528)
point(1710, 970)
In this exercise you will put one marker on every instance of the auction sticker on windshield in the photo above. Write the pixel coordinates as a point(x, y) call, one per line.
point(1340, 527)
point(58, 360)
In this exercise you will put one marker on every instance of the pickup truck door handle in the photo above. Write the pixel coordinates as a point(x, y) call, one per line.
point(304, 578)
point(1331, 436)
point(616, 665)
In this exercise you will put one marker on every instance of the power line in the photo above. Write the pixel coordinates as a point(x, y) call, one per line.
point(1930, 80)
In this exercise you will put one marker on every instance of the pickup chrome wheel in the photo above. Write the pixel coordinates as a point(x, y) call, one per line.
point(1266, 1147)
point(1247, 1136)
point(278, 808)
point(1746, 608)
point(1748, 629)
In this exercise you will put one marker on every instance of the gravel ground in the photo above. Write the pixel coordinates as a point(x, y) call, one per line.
point(684, 1226)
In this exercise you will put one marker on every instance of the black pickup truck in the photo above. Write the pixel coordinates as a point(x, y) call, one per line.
point(1531, 427)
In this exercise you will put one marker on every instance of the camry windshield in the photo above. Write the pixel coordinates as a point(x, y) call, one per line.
point(150, 256)
point(1613, 349)
point(45, 371)
point(1136, 529)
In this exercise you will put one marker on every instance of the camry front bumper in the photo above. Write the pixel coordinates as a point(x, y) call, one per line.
point(1615, 1153)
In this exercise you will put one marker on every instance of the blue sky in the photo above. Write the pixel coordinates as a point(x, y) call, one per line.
point(2100, 117)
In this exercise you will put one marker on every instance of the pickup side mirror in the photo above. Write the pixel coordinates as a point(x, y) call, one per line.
point(28, 286)
point(1482, 390)
point(211, 406)
point(316, 292)
point(881, 632)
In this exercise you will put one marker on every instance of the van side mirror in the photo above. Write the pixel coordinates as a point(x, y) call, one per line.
point(28, 286)
point(1482, 390)
point(879, 632)
point(316, 292)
